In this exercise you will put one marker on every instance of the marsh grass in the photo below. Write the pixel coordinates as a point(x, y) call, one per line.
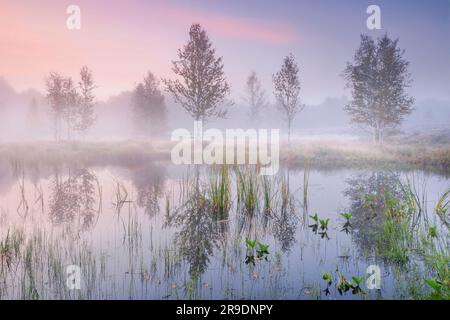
point(23, 207)
point(435, 250)
point(268, 194)
point(407, 235)
point(10, 248)
point(247, 186)
point(306, 173)
point(197, 250)
point(219, 191)
point(121, 196)
point(442, 208)
point(394, 241)
point(401, 217)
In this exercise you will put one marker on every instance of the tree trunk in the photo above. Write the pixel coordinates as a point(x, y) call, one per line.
point(289, 132)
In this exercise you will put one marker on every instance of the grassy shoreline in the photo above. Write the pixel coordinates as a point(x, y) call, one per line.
point(317, 154)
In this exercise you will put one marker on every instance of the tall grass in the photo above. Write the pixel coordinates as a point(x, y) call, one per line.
point(442, 208)
point(267, 190)
point(10, 248)
point(305, 189)
point(219, 190)
point(415, 197)
point(395, 240)
point(247, 183)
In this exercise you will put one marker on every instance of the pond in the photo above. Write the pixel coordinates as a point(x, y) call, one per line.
point(160, 231)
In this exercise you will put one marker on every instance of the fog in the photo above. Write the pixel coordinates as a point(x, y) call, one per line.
point(26, 116)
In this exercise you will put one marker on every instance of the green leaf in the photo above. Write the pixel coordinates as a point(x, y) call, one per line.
point(327, 277)
point(432, 283)
point(263, 247)
point(357, 281)
point(251, 243)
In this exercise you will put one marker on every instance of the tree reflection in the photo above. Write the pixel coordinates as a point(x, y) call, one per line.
point(367, 194)
point(285, 220)
point(149, 183)
point(73, 199)
point(198, 232)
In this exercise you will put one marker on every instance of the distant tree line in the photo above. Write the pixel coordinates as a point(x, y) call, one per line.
point(149, 108)
point(378, 78)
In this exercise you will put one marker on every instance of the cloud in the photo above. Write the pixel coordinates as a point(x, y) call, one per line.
point(249, 29)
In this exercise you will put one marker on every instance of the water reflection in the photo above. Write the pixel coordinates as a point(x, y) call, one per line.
point(198, 232)
point(285, 219)
point(367, 193)
point(73, 199)
point(203, 231)
point(149, 183)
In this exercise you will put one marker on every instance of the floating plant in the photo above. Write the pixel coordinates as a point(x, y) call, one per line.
point(261, 252)
point(347, 227)
point(315, 225)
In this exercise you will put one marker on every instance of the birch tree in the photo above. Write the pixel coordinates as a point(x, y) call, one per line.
point(378, 79)
point(201, 88)
point(287, 91)
point(255, 97)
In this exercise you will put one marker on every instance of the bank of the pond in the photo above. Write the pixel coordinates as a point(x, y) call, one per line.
point(316, 154)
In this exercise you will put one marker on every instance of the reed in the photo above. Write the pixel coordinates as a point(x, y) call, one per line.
point(219, 191)
point(442, 208)
point(247, 181)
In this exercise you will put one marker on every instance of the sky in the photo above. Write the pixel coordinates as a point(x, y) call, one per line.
point(122, 40)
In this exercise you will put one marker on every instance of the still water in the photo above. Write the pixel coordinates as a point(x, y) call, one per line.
point(136, 233)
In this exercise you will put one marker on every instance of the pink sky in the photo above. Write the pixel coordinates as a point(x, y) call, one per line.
point(122, 40)
point(119, 42)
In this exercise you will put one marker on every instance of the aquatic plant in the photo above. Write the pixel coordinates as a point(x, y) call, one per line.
point(344, 285)
point(23, 207)
point(347, 225)
point(432, 232)
point(394, 241)
point(261, 251)
point(250, 243)
point(436, 255)
point(347, 216)
point(305, 188)
point(247, 189)
point(329, 280)
point(315, 225)
point(324, 228)
point(285, 194)
point(321, 224)
point(219, 191)
point(441, 289)
point(356, 288)
point(10, 249)
point(324, 223)
point(121, 196)
point(267, 194)
point(327, 277)
point(315, 218)
point(442, 208)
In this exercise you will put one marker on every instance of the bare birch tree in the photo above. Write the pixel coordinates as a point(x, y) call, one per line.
point(86, 103)
point(287, 91)
point(255, 97)
point(56, 99)
point(71, 105)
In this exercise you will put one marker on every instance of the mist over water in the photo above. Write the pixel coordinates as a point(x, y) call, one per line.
point(88, 180)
